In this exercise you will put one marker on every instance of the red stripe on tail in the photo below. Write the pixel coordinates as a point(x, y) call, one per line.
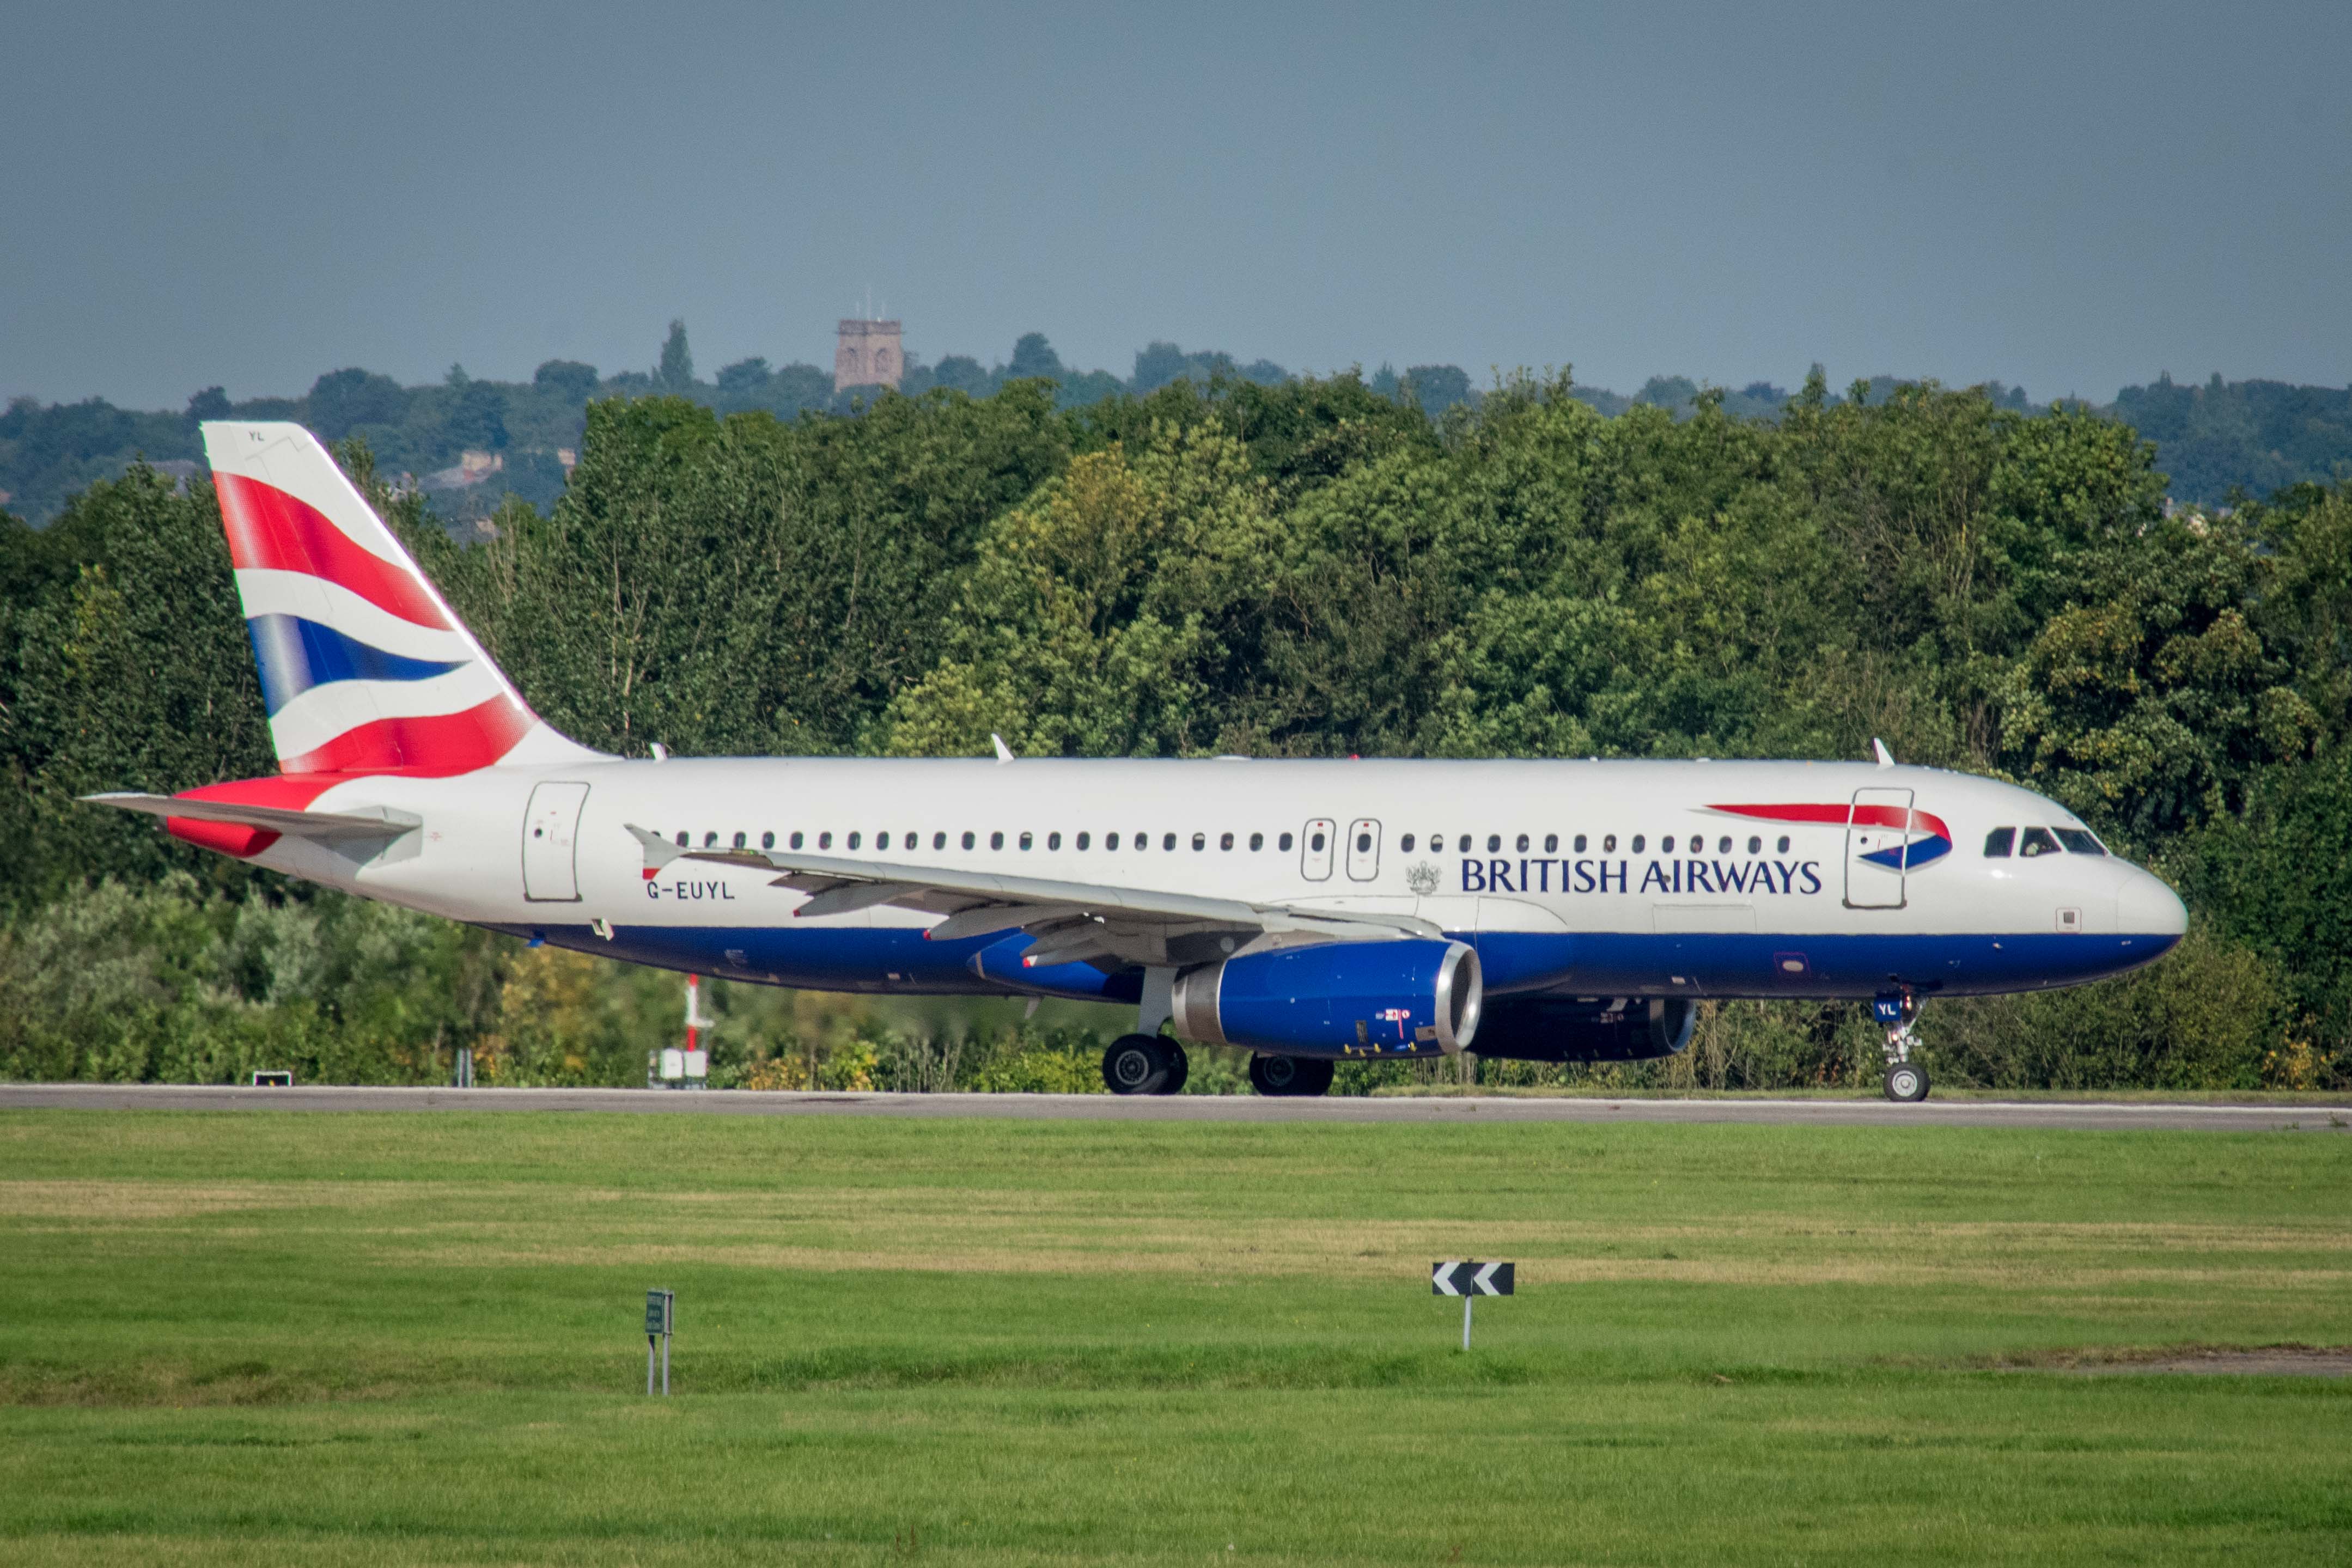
point(271, 529)
point(434, 746)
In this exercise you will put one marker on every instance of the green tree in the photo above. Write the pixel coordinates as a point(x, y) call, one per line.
point(674, 373)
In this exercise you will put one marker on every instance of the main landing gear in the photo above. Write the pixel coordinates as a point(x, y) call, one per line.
point(1906, 1081)
point(1145, 1064)
point(1289, 1075)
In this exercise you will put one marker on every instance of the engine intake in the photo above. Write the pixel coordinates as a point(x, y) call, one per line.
point(1558, 1029)
point(1407, 997)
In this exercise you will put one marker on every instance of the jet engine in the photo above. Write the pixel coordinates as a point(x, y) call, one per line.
point(1561, 1028)
point(1406, 997)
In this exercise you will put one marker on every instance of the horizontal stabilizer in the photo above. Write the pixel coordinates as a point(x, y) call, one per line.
point(380, 823)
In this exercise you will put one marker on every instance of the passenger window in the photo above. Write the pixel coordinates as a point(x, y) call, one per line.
point(741, 840)
point(996, 840)
point(1363, 844)
point(2037, 842)
point(1405, 843)
point(824, 839)
point(1085, 840)
point(1226, 841)
point(1999, 843)
point(681, 840)
point(1465, 843)
point(1110, 840)
point(1283, 843)
point(1754, 845)
point(2079, 843)
point(710, 840)
point(1523, 844)
point(1025, 842)
point(1784, 844)
point(796, 839)
point(853, 841)
point(1053, 840)
point(967, 840)
point(1257, 841)
point(1551, 844)
point(1665, 845)
point(1494, 842)
point(1580, 844)
point(1637, 843)
point(938, 840)
point(1609, 844)
point(881, 841)
point(1167, 840)
point(1200, 841)
point(767, 841)
point(1316, 843)
point(1722, 845)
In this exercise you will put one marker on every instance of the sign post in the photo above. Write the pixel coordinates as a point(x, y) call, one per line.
point(661, 1316)
point(1470, 1280)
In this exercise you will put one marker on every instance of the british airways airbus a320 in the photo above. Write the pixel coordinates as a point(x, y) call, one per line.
point(1309, 912)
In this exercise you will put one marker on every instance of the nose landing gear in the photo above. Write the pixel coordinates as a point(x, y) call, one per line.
point(1906, 1081)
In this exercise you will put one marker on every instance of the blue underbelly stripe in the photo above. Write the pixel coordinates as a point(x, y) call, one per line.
point(1745, 964)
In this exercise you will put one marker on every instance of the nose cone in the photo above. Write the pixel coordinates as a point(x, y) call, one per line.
point(2145, 906)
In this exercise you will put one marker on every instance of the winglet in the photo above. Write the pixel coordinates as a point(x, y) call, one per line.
point(659, 851)
point(1878, 749)
point(1004, 752)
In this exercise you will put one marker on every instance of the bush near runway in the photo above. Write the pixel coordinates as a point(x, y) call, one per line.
point(1303, 569)
point(258, 1338)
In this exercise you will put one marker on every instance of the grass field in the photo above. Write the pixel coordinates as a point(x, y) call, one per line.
point(259, 1337)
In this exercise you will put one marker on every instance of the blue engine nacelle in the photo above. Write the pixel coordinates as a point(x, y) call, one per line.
point(1561, 1029)
point(1408, 998)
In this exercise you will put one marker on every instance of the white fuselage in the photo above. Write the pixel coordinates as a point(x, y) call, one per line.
point(1635, 877)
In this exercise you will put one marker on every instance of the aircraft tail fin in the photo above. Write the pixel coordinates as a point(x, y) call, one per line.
point(364, 667)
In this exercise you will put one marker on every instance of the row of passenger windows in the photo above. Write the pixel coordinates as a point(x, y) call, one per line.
point(2002, 842)
point(995, 840)
point(1694, 845)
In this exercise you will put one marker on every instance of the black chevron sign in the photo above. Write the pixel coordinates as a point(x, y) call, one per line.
point(1470, 1279)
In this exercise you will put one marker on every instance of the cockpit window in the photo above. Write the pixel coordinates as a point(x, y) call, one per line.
point(1998, 843)
point(2079, 843)
point(2037, 842)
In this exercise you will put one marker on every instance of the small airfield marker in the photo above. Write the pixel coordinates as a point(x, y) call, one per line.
point(661, 1315)
point(1470, 1279)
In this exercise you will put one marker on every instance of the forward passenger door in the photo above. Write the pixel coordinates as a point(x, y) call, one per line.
point(1877, 845)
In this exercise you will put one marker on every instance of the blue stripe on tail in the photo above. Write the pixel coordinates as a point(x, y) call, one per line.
point(296, 654)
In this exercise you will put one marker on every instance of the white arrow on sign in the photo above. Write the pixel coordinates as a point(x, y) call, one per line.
point(1484, 1281)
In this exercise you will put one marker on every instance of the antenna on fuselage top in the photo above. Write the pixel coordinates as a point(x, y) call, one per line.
point(1004, 752)
point(1878, 749)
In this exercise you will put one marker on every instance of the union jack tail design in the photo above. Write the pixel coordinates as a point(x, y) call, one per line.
point(363, 667)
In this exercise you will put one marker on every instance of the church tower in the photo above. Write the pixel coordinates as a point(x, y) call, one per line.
point(867, 354)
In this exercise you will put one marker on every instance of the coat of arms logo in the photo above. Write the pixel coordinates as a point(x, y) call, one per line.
point(1422, 878)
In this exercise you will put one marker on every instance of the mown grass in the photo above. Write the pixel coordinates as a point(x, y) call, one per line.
point(260, 1336)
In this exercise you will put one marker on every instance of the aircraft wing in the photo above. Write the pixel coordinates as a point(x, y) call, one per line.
point(1072, 920)
point(328, 825)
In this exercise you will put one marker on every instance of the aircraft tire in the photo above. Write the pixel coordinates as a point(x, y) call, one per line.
point(1906, 1083)
point(1285, 1077)
point(1137, 1064)
point(1179, 1067)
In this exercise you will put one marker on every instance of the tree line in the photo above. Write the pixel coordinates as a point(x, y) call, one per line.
point(2214, 440)
point(1301, 567)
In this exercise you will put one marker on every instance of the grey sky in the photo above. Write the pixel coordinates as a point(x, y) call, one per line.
point(2070, 197)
